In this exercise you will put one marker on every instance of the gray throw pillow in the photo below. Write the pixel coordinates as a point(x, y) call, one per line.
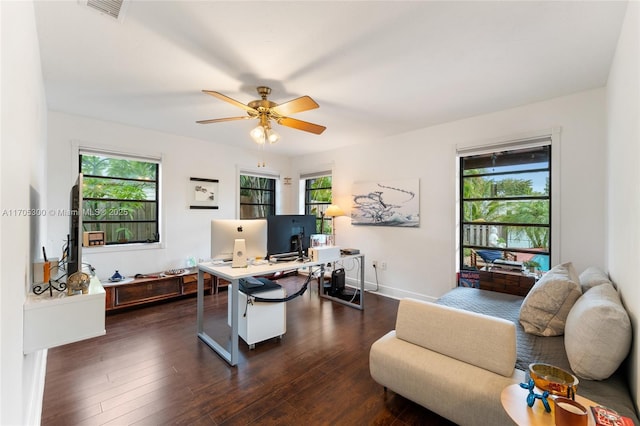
point(597, 333)
point(593, 276)
point(545, 309)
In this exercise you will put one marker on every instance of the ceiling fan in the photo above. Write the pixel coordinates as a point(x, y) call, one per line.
point(266, 110)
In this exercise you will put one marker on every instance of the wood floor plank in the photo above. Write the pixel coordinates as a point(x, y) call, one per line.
point(151, 369)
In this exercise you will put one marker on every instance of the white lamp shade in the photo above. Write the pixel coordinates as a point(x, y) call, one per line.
point(333, 211)
point(258, 134)
point(272, 136)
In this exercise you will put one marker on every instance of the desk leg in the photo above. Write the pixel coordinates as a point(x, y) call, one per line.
point(200, 302)
point(346, 302)
point(234, 322)
point(362, 264)
point(230, 357)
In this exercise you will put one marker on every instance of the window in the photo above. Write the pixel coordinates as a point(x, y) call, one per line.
point(257, 196)
point(505, 206)
point(120, 197)
point(317, 197)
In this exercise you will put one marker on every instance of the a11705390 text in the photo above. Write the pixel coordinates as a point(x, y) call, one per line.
point(115, 211)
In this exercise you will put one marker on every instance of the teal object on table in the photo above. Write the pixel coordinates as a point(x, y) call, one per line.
point(531, 398)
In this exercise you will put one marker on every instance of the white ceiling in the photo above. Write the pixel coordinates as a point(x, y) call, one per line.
point(376, 68)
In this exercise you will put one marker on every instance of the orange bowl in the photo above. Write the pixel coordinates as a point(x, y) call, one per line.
point(553, 379)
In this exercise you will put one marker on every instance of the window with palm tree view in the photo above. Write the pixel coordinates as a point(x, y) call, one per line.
point(257, 196)
point(120, 197)
point(317, 197)
point(505, 208)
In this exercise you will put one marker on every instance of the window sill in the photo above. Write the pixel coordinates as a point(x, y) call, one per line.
point(113, 248)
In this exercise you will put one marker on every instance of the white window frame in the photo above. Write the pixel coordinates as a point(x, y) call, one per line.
point(78, 147)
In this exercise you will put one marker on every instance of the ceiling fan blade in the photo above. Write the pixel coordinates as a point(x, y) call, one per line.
point(301, 125)
point(218, 120)
point(228, 99)
point(303, 103)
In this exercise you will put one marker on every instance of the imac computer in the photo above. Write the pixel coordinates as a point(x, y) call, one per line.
point(224, 233)
point(289, 235)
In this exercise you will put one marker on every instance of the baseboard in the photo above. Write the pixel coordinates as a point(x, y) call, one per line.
point(34, 389)
point(391, 292)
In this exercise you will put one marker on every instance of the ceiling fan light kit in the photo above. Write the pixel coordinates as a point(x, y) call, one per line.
point(257, 134)
point(263, 133)
point(265, 110)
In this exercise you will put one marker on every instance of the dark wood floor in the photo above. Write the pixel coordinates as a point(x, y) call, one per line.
point(151, 369)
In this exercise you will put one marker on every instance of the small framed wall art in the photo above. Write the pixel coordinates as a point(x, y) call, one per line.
point(203, 193)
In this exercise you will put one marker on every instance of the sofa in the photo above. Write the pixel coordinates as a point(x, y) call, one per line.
point(455, 356)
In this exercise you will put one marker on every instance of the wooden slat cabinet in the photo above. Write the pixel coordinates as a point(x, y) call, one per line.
point(190, 283)
point(141, 291)
point(147, 291)
point(219, 283)
point(506, 282)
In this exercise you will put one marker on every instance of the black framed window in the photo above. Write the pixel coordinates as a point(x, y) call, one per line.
point(317, 198)
point(120, 197)
point(257, 196)
point(505, 207)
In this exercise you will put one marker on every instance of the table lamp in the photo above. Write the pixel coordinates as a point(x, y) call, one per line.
point(332, 211)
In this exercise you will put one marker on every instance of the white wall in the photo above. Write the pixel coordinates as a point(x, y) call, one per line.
point(623, 227)
point(421, 261)
point(185, 232)
point(22, 179)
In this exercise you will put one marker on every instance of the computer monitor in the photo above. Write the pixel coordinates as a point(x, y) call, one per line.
point(224, 233)
point(74, 246)
point(289, 235)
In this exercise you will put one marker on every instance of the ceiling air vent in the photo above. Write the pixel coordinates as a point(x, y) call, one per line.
point(112, 8)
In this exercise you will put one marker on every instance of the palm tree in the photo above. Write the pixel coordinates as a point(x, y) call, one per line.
point(254, 190)
point(107, 199)
point(320, 196)
point(505, 210)
point(94, 165)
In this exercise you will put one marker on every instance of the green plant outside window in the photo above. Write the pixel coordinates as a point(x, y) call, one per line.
point(317, 197)
point(506, 205)
point(257, 197)
point(120, 197)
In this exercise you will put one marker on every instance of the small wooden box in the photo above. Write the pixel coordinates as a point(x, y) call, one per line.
point(93, 238)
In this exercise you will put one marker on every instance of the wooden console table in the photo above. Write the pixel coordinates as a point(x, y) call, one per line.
point(501, 281)
point(506, 282)
point(153, 288)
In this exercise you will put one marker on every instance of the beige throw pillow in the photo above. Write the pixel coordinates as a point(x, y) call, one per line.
point(597, 334)
point(545, 309)
point(593, 276)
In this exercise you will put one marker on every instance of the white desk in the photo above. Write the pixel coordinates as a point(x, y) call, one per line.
point(234, 274)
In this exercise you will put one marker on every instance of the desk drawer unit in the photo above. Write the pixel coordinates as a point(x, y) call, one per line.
point(263, 320)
